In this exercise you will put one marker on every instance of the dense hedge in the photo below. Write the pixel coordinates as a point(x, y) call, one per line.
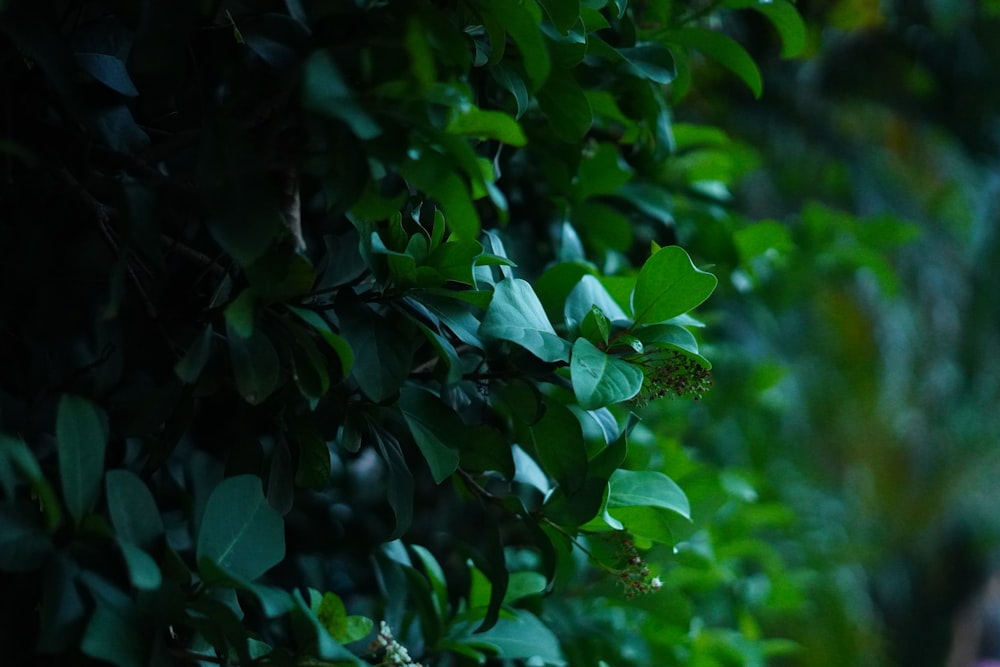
point(325, 326)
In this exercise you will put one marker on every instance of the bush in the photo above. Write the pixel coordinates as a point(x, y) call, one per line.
point(327, 325)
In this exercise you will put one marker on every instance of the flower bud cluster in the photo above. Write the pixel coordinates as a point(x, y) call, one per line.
point(396, 654)
point(634, 577)
point(671, 373)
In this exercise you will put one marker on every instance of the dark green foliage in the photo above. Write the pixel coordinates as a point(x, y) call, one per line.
point(317, 314)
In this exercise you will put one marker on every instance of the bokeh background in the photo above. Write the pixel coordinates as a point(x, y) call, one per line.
point(865, 335)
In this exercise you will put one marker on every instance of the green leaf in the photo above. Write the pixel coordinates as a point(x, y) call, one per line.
point(647, 488)
point(435, 575)
point(113, 637)
point(311, 634)
point(721, 48)
point(650, 61)
point(15, 452)
point(399, 485)
point(566, 106)
point(496, 125)
point(516, 314)
point(255, 363)
point(336, 343)
point(281, 276)
point(523, 636)
point(143, 571)
point(668, 285)
point(600, 379)
point(558, 442)
point(325, 92)
point(81, 437)
point(332, 615)
point(786, 20)
point(436, 175)
point(562, 13)
point(650, 523)
point(436, 429)
point(521, 20)
point(109, 70)
point(134, 513)
point(382, 357)
point(455, 259)
point(587, 294)
point(514, 84)
point(189, 367)
point(596, 327)
point(602, 171)
point(240, 531)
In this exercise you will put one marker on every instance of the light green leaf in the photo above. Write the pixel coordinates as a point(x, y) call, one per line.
point(589, 292)
point(240, 531)
point(668, 285)
point(600, 379)
point(647, 488)
point(496, 125)
point(81, 438)
point(333, 617)
point(515, 314)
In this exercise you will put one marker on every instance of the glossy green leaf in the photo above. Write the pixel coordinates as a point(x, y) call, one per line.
point(240, 531)
point(587, 294)
point(487, 125)
point(668, 285)
point(514, 84)
point(721, 48)
point(596, 327)
point(647, 488)
point(435, 428)
point(515, 314)
point(650, 523)
point(133, 509)
point(81, 438)
point(454, 260)
point(600, 379)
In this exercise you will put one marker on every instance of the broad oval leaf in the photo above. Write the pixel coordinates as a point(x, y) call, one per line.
point(516, 314)
point(81, 438)
point(647, 488)
point(669, 284)
point(240, 531)
point(133, 509)
point(600, 379)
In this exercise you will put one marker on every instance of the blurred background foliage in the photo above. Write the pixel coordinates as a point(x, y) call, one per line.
point(868, 346)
